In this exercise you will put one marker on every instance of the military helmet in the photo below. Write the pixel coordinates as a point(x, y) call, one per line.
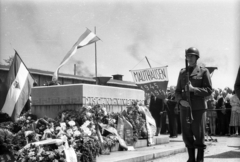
point(193, 51)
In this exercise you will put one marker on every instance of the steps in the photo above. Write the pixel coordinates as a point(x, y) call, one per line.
point(142, 153)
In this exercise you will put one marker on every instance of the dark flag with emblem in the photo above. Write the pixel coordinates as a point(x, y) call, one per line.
point(16, 89)
point(153, 81)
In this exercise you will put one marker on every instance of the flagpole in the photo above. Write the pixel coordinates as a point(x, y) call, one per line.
point(96, 57)
point(148, 61)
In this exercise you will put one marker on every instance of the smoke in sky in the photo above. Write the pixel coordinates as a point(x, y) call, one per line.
point(133, 19)
point(81, 70)
point(141, 38)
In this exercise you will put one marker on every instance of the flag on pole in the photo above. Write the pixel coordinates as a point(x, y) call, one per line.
point(16, 89)
point(85, 39)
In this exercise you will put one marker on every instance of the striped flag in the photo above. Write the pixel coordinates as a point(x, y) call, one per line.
point(16, 89)
point(85, 39)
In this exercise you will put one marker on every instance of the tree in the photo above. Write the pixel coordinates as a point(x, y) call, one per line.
point(9, 60)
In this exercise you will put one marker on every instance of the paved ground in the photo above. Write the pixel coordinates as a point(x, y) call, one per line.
point(227, 149)
point(143, 154)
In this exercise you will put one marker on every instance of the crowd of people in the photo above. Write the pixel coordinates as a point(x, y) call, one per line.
point(223, 113)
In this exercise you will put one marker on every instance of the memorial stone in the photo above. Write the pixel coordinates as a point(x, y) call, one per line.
point(50, 100)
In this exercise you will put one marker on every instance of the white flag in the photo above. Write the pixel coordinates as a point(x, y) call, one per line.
point(86, 38)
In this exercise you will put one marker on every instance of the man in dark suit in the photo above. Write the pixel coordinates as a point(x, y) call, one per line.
point(222, 114)
point(172, 115)
point(156, 107)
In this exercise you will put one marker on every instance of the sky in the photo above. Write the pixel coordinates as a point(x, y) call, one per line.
point(43, 31)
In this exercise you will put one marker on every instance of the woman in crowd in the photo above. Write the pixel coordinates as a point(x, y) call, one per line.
point(228, 112)
point(212, 114)
point(235, 115)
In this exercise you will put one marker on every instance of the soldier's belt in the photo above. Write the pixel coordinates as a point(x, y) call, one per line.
point(192, 96)
point(191, 93)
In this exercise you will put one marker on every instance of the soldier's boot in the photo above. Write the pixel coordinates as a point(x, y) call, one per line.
point(200, 155)
point(191, 154)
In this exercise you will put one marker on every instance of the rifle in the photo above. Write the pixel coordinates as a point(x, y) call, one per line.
point(188, 94)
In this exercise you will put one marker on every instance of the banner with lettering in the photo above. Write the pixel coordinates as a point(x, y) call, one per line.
point(153, 81)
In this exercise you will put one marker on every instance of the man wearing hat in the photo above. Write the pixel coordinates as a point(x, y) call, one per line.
point(200, 86)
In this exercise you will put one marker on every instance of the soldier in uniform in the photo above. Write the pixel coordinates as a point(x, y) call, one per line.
point(200, 86)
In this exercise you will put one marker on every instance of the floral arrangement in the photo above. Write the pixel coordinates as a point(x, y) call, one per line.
point(138, 121)
point(81, 130)
point(42, 154)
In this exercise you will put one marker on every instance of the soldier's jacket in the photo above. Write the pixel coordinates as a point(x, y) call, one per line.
point(200, 79)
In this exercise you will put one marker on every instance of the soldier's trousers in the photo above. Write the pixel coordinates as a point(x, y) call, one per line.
point(193, 133)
